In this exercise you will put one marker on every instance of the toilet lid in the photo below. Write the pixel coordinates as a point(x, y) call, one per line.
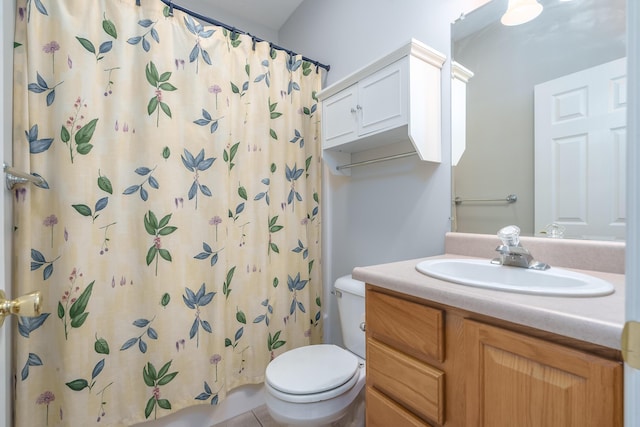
point(311, 369)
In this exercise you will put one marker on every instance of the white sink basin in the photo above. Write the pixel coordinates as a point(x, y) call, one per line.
point(481, 273)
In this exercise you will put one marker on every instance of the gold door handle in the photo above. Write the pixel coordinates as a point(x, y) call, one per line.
point(29, 305)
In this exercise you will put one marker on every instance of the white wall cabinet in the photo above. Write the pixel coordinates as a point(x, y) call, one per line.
point(394, 99)
point(375, 104)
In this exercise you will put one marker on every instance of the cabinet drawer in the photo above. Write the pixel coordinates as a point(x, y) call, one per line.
point(408, 326)
point(410, 382)
point(383, 412)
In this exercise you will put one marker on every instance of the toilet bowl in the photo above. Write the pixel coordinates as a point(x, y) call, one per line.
point(323, 384)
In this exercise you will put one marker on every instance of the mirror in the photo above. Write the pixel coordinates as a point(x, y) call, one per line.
point(507, 62)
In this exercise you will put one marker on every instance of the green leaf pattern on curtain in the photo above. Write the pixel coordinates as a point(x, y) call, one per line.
point(176, 234)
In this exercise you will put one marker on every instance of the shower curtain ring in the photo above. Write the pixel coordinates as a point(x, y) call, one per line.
point(170, 8)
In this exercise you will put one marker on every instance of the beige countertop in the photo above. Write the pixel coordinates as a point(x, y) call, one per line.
point(596, 320)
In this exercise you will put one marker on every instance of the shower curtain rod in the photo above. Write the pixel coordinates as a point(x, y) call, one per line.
point(235, 30)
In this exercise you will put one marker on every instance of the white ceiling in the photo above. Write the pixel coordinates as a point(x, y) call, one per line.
point(269, 13)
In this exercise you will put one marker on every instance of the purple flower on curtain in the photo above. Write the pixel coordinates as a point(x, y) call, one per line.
point(50, 221)
point(215, 359)
point(215, 89)
point(51, 48)
point(215, 221)
point(45, 399)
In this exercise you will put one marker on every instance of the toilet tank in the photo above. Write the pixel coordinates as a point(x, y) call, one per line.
point(350, 296)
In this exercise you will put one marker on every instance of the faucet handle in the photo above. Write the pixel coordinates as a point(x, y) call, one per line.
point(510, 235)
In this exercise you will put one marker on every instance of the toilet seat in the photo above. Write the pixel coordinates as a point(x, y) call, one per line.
point(312, 373)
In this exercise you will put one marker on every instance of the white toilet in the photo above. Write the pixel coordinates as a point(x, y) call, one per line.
point(323, 384)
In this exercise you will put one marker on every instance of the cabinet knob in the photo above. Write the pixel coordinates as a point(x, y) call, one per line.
point(353, 110)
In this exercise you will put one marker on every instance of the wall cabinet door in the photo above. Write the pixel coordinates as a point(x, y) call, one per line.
point(382, 99)
point(374, 104)
point(339, 117)
point(517, 380)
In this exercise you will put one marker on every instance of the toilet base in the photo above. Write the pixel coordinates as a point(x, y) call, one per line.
point(352, 415)
point(346, 410)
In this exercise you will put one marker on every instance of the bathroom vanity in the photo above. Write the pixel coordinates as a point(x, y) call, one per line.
point(441, 354)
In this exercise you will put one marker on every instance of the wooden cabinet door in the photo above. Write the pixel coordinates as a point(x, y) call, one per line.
point(517, 380)
point(339, 117)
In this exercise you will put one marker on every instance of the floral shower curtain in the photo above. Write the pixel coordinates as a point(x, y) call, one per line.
point(176, 234)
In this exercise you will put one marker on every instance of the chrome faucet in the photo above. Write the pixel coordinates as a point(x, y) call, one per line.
point(512, 253)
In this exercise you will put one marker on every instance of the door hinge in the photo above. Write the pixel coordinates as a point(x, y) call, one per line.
point(631, 344)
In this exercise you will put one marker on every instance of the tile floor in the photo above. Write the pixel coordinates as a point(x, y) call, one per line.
point(259, 417)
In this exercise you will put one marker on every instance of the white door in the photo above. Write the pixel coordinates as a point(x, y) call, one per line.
point(6, 51)
point(632, 278)
point(580, 152)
